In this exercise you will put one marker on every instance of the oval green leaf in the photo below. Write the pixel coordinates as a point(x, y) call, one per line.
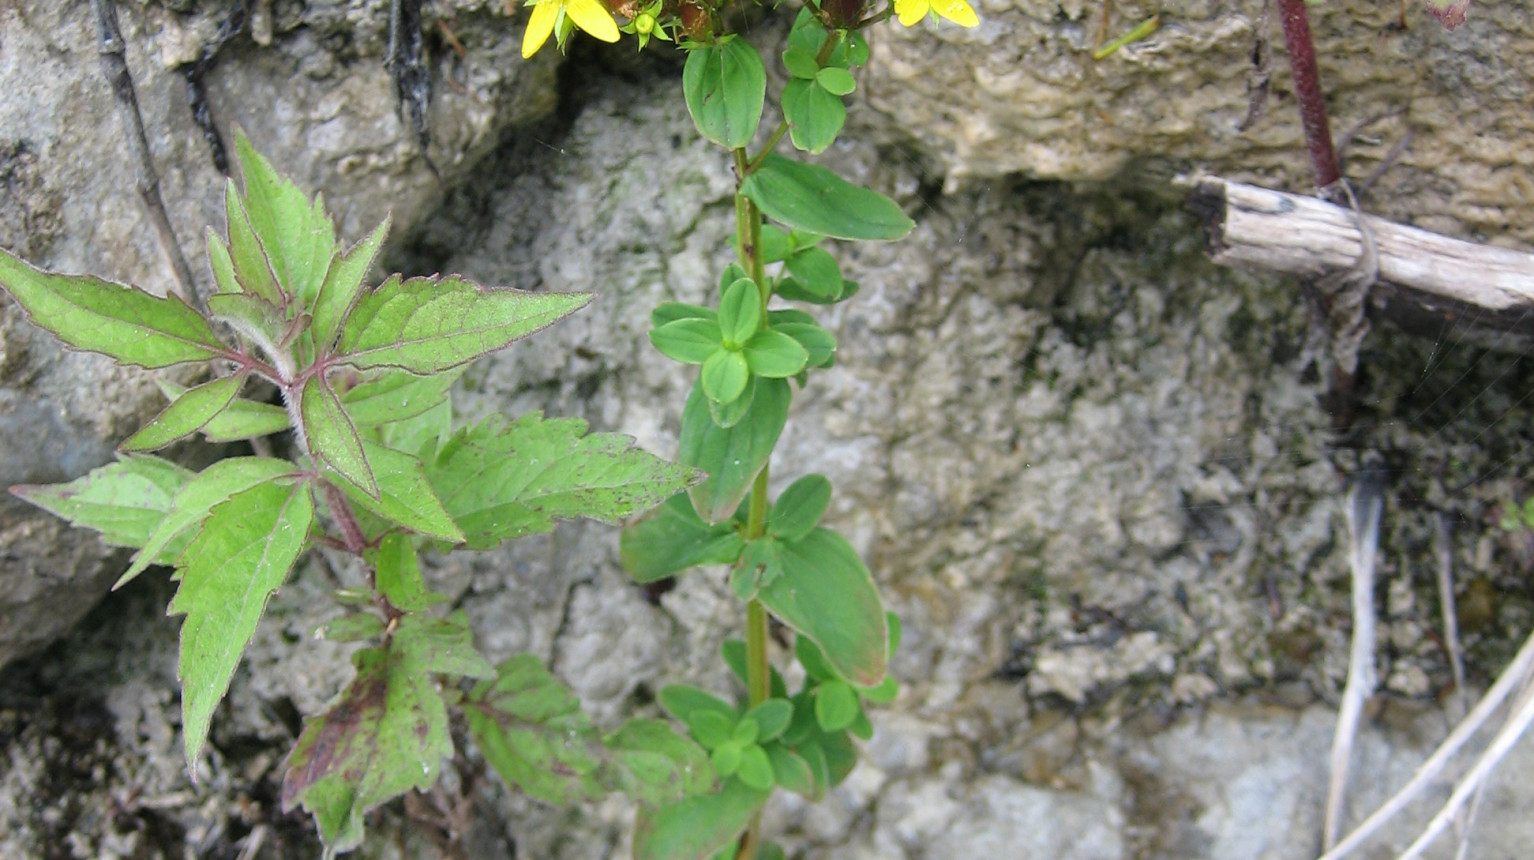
point(815, 117)
point(186, 414)
point(800, 508)
point(725, 375)
point(809, 197)
point(775, 355)
point(691, 340)
point(731, 456)
point(827, 594)
point(725, 85)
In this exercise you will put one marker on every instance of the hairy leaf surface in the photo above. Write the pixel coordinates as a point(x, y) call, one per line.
point(427, 326)
point(388, 734)
point(195, 500)
point(332, 437)
point(124, 500)
point(123, 322)
point(502, 481)
point(297, 236)
point(186, 414)
point(404, 494)
point(343, 284)
point(243, 553)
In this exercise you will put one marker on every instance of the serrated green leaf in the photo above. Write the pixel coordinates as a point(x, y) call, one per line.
point(420, 434)
point(725, 375)
point(836, 81)
point(827, 594)
point(815, 270)
point(427, 326)
point(689, 340)
point(774, 355)
point(352, 627)
point(220, 263)
point(252, 268)
point(124, 501)
point(386, 735)
point(297, 235)
point(186, 414)
point(343, 285)
point(836, 705)
point(242, 419)
point(395, 395)
point(771, 718)
point(809, 197)
point(243, 553)
point(123, 322)
point(725, 85)
point(740, 312)
point(398, 576)
point(653, 765)
point(502, 481)
point(405, 496)
point(441, 645)
point(815, 116)
point(252, 316)
point(693, 829)
point(333, 439)
point(731, 456)
point(799, 508)
point(195, 499)
point(672, 538)
point(533, 732)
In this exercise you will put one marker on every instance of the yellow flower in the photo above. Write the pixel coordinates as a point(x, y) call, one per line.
point(589, 15)
point(957, 11)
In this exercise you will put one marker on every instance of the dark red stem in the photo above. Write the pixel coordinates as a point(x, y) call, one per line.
point(1307, 87)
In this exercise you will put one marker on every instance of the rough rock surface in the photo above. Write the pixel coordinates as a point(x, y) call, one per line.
point(1090, 470)
point(1022, 94)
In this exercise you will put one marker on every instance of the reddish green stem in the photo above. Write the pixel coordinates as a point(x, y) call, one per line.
point(1307, 88)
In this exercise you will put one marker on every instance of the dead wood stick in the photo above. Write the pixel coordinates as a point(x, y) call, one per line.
point(1426, 281)
point(114, 65)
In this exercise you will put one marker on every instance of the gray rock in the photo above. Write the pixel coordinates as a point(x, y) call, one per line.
point(1090, 471)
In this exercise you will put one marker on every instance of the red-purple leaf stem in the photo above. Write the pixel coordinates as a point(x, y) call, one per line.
point(1307, 87)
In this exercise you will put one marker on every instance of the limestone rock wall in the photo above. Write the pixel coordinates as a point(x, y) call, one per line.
point(1090, 470)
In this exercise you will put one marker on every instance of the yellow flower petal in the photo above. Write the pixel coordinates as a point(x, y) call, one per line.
point(956, 11)
point(911, 11)
point(539, 27)
point(593, 17)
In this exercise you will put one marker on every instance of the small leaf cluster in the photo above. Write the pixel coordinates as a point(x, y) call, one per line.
point(378, 470)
